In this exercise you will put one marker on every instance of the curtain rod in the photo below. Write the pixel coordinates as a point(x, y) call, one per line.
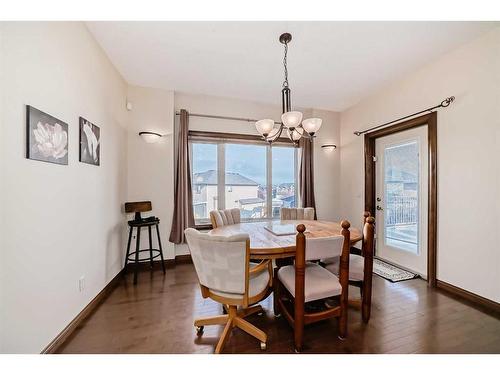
point(445, 103)
point(222, 117)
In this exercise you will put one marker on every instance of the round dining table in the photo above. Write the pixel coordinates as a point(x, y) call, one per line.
point(267, 242)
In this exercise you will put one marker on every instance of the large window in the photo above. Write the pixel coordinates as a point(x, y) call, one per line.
point(252, 176)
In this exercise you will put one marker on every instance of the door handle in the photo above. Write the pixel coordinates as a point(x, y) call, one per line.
point(379, 208)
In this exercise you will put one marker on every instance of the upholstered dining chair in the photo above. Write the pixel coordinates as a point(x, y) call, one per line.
point(297, 213)
point(226, 275)
point(305, 282)
point(360, 267)
point(225, 217)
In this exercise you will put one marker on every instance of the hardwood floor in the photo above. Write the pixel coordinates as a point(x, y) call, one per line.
point(157, 315)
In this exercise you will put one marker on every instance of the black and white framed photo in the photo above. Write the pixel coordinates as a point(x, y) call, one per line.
point(46, 137)
point(90, 142)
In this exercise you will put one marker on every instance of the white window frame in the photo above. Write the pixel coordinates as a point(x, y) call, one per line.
point(221, 172)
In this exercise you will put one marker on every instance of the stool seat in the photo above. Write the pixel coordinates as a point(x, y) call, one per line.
point(152, 220)
point(138, 223)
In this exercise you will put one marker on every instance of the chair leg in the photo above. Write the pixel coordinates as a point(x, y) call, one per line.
point(137, 248)
point(150, 247)
point(227, 329)
point(366, 304)
point(298, 332)
point(224, 337)
point(250, 329)
point(213, 320)
point(128, 249)
point(243, 313)
point(159, 248)
point(343, 322)
point(276, 293)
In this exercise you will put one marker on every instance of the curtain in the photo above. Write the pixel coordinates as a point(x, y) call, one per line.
point(306, 174)
point(183, 196)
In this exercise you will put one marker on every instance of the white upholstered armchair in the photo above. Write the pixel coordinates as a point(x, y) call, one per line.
point(297, 213)
point(227, 276)
point(220, 218)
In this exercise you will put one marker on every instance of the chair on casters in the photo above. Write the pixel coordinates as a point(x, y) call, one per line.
point(139, 223)
point(306, 282)
point(360, 267)
point(226, 275)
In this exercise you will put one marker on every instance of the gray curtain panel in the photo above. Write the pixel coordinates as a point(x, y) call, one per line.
point(306, 174)
point(183, 196)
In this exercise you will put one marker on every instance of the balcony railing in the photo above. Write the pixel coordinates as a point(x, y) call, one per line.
point(401, 210)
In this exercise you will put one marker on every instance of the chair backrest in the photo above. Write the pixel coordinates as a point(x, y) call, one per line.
point(220, 262)
point(229, 216)
point(324, 247)
point(368, 242)
point(297, 213)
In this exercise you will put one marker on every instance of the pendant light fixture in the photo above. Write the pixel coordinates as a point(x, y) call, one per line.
point(290, 120)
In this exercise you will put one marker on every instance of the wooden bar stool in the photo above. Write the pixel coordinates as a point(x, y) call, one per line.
point(139, 223)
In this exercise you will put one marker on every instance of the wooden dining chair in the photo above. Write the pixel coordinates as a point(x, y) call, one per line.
point(226, 275)
point(297, 213)
point(229, 216)
point(360, 267)
point(305, 282)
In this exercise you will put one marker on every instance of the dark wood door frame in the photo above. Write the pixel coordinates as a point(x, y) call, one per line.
point(429, 120)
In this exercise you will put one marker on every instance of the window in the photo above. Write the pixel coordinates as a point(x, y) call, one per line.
point(204, 180)
point(249, 175)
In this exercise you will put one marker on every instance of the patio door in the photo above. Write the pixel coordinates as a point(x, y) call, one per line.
point(401, 195)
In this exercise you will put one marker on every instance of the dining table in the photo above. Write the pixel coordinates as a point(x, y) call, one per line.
point(265, 243)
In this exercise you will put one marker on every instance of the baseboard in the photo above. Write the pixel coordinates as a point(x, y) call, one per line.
point(70, 328)
point(180, 259)
point(484, 304)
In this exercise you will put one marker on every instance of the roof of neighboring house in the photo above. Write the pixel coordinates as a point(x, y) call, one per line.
point(251, 200)
point(210, 178)
point(290, 198)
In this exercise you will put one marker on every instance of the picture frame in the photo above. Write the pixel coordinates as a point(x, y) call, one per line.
point(90, 142)
point(46, 137)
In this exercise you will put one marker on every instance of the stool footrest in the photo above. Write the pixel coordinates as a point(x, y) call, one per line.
point(148, 259)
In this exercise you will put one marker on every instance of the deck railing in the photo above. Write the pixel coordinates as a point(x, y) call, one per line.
point(401, 210)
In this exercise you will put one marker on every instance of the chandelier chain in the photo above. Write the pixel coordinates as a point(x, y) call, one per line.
point(285, 82)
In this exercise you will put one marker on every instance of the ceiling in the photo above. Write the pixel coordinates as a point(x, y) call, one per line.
point(332, 65)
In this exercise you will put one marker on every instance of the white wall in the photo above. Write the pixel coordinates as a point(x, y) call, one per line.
point(327, 166)
point(151, 165)
point(468, 155)
point(57, 222)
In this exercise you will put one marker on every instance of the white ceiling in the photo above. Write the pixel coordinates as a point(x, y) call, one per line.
point(332, 65)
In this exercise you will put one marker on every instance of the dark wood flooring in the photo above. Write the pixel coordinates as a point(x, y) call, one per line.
point(156, 316)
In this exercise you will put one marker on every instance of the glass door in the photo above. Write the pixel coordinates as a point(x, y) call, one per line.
point(401, 199)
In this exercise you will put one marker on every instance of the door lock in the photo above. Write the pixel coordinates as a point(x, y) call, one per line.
point(379, 208)
point(378, 199)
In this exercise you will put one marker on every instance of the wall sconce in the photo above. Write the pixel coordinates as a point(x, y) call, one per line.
point(329, 147)
point(150, 137)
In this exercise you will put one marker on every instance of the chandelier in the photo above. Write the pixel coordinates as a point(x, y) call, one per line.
point(291, 121)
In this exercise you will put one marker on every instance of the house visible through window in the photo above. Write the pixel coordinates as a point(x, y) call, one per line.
point(252, 176)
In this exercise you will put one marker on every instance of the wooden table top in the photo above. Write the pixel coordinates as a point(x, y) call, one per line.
point(267, 245)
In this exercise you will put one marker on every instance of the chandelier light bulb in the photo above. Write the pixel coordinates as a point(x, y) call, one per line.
point(265, 126)
point(312, 125)
point(291, 119)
